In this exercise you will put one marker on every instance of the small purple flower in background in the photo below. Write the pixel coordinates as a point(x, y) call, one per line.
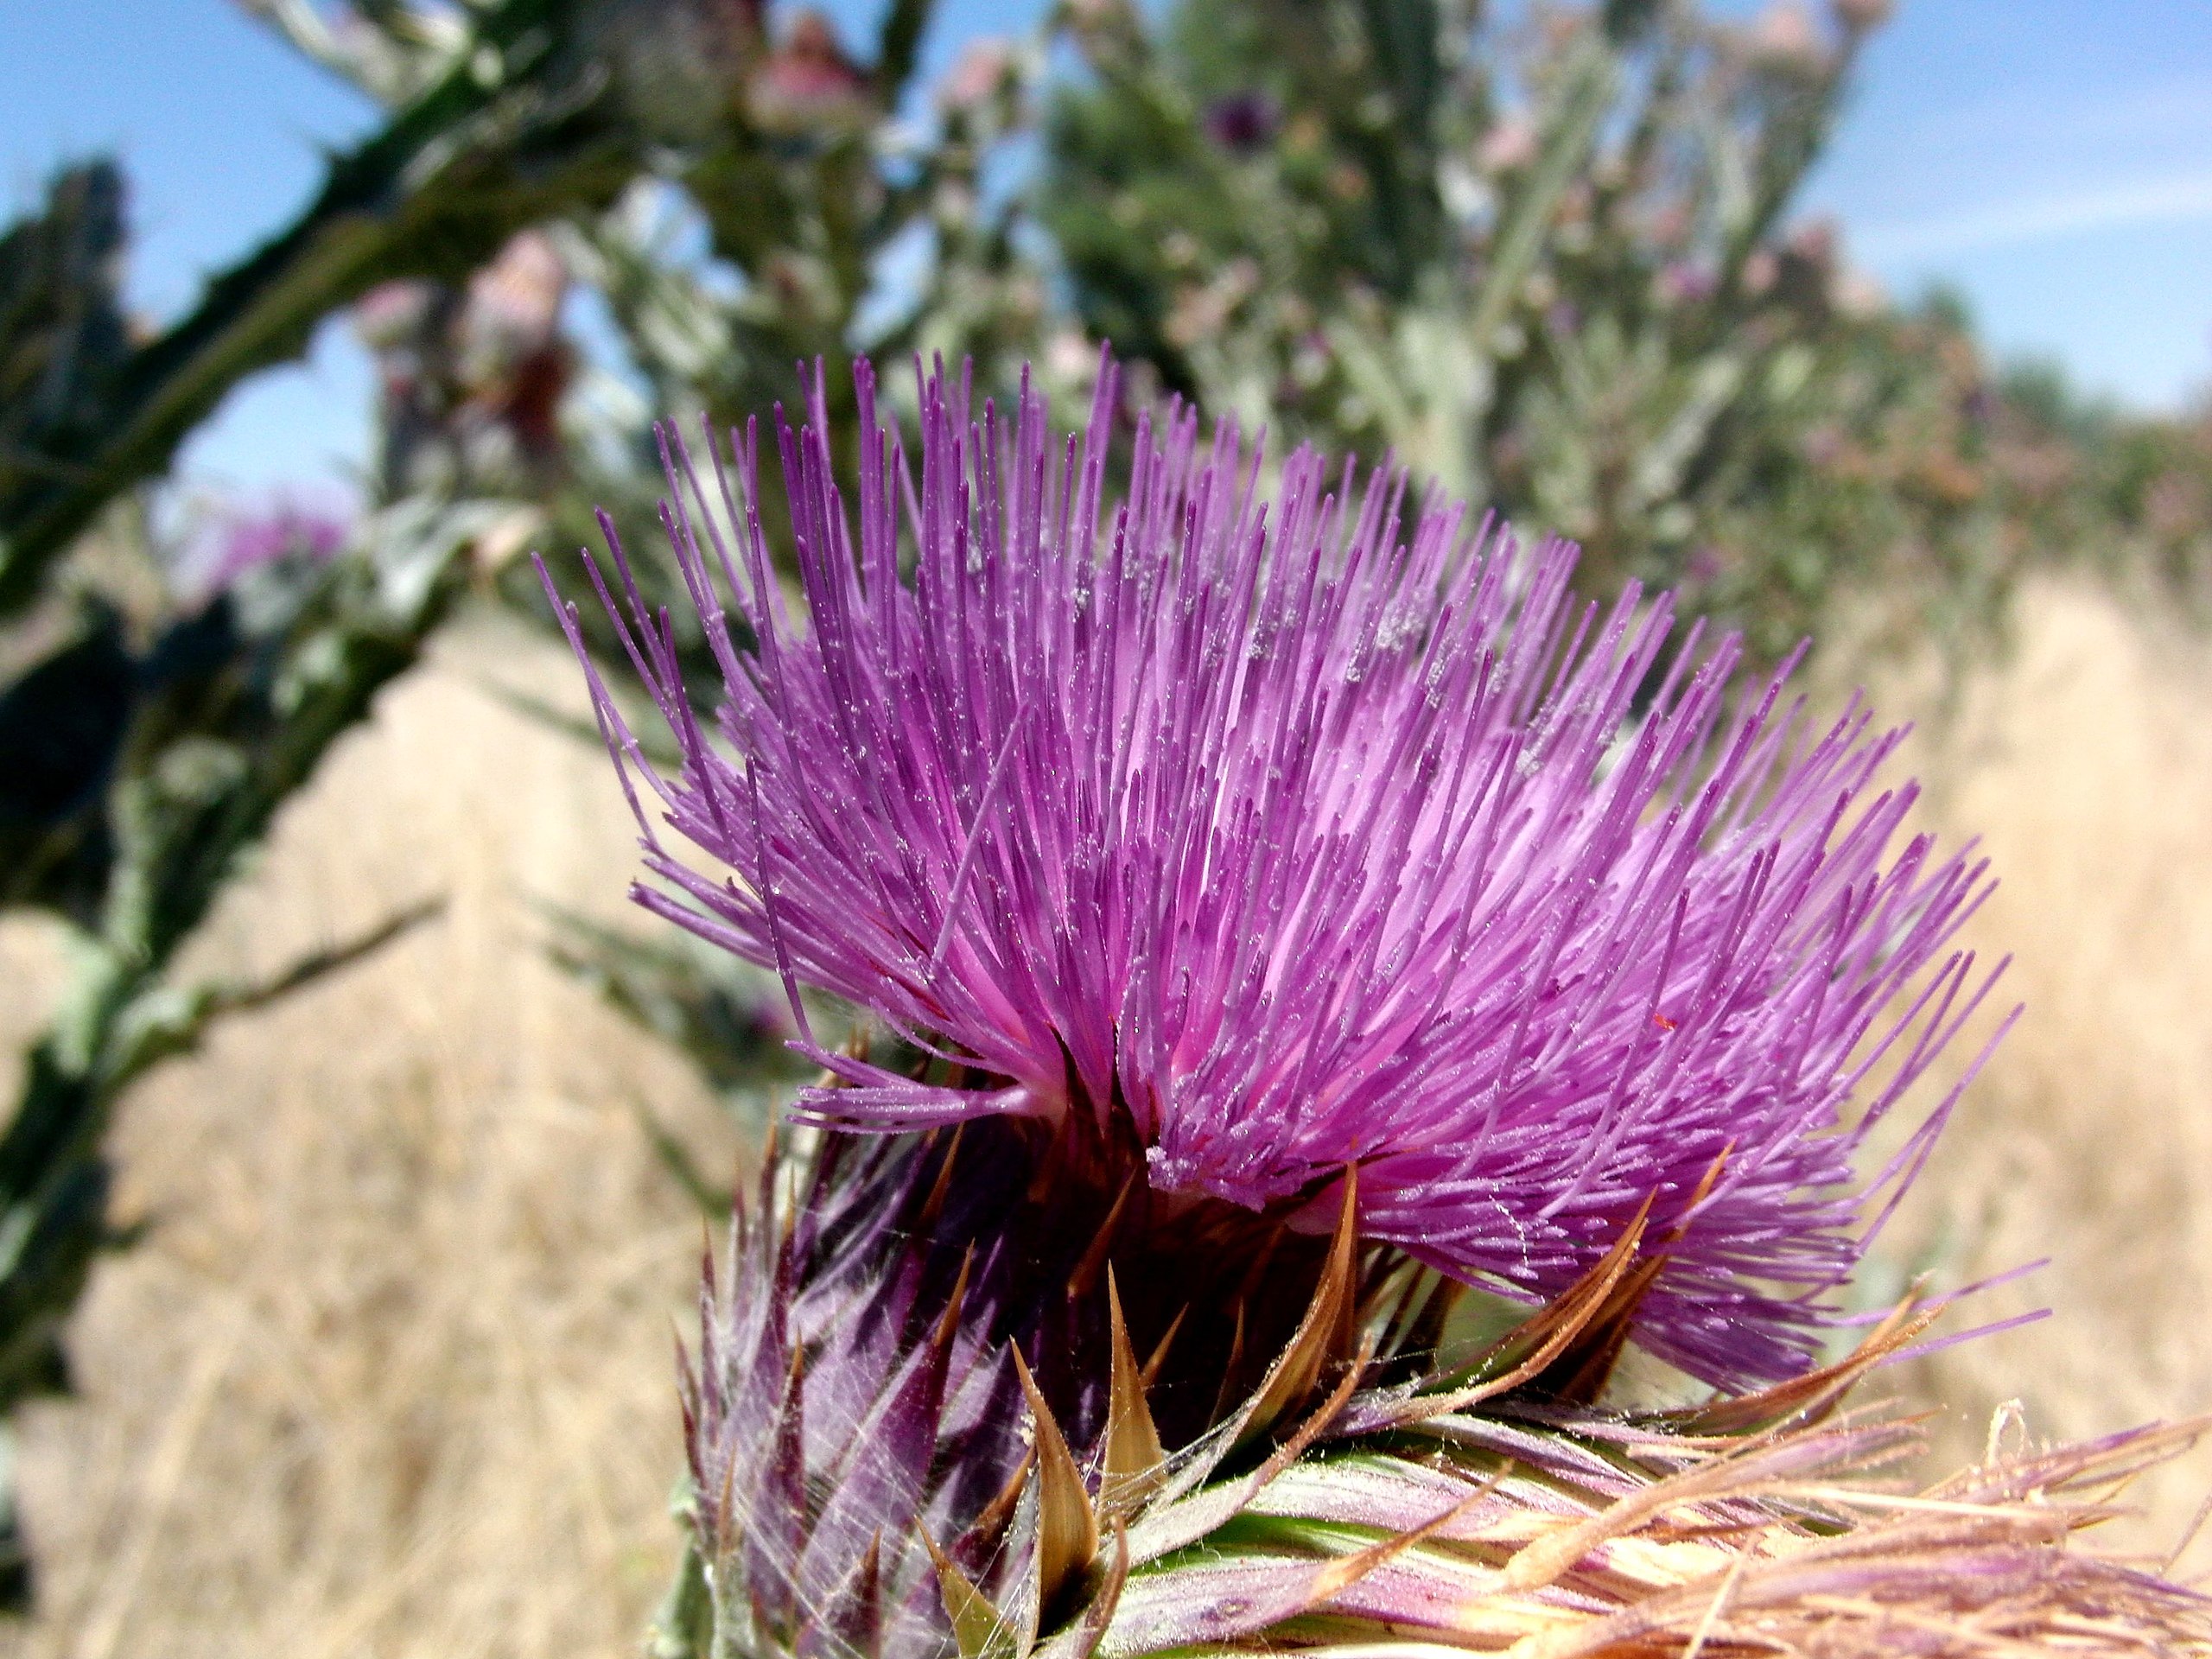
point(1683, 282)
point(980, 73)
point(1858, 16)
point(808, 84)
point(1241, 121)
point(1509, 146)
point(1785, 37)
point(1827, 445)
point(286, 530)
point(1272, 835)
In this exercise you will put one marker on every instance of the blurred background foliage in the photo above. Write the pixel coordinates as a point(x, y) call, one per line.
point(1547, 262)
point(1543, 257)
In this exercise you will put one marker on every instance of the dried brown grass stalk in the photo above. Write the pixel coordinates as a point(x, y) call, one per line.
point(1985, 1562)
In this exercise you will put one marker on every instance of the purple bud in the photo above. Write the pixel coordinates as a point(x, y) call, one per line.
point(1240, 123)
point(285, 531)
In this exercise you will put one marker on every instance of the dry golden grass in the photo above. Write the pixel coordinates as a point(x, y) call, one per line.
point(2085, 765)
point(391, 1375)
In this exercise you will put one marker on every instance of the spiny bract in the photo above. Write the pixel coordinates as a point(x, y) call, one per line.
point(877, 1475)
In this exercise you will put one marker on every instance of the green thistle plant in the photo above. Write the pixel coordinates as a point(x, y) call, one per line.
point(1544, 257)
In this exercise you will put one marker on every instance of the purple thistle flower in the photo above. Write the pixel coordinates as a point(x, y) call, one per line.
point(1275, 834)
point(251, 542)
point(1241, 123)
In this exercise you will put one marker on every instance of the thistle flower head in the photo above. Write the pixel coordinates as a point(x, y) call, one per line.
point(1235, 837)
point(245, 543)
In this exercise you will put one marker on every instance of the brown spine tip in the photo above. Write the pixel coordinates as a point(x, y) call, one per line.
point(1134, 1452)
point(1067, 1529)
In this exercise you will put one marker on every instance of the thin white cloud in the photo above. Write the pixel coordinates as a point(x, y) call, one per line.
point(2172, 200)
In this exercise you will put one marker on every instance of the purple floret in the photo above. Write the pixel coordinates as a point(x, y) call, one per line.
point(284, 532)
point(1287, 829)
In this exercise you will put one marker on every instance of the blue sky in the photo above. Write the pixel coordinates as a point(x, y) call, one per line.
point(2051, 158)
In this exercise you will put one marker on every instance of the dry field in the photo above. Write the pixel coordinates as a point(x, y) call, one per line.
point(2086, 766)
point(390, 1375)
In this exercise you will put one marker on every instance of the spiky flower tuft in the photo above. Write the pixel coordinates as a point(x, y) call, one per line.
point(246, 543)
point(1268, 835)
point(852, 1396)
